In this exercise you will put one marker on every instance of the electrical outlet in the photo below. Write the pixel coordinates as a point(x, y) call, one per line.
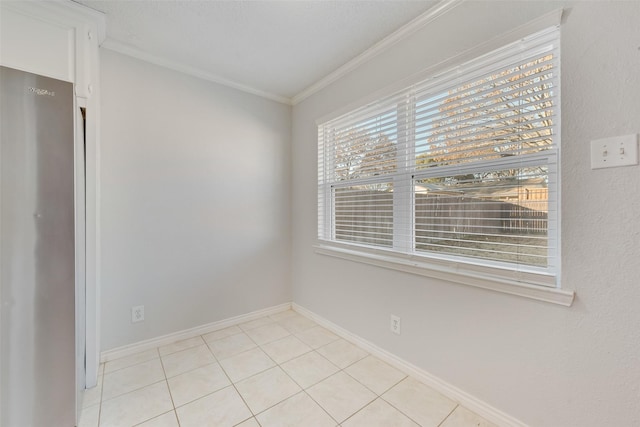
point(395, 324)
point(137, 313)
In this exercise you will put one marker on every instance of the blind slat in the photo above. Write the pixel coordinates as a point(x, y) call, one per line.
point(490, 126)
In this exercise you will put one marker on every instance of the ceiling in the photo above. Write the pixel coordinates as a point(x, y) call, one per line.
point(277, 49)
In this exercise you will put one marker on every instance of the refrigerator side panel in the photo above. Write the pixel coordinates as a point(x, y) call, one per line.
point(37, 250)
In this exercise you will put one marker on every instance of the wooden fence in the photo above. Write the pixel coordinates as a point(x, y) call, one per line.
point(367, 216)
point(444, 214)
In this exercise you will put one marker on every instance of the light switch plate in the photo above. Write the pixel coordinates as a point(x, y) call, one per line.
point(614, 152)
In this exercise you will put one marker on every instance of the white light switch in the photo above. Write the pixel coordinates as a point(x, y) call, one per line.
point(614, 152)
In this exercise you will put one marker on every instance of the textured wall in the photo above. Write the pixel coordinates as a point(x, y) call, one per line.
point(195, 201)
point(544, 364)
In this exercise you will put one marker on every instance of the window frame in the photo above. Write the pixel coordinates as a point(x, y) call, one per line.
point(503, 277)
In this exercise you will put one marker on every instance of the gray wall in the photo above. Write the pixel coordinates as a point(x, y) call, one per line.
point(195, 186)
point(544, 364)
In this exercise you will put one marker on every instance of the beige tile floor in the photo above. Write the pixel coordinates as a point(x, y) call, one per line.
point(279, 370)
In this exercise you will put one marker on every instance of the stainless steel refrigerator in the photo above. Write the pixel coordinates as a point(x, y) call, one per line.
point(37, 291)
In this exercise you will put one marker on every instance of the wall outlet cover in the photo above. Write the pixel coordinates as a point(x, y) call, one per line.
point(395, 324)
point(137, 313)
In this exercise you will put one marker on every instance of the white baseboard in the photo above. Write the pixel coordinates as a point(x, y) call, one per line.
point(149, 344)
point(470, 402)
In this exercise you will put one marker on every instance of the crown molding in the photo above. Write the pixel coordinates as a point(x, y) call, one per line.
point(403, 32)
point(129, 50)
point(549, 19)
point(61, 12)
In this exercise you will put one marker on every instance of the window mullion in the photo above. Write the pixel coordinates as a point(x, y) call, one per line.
point(328, 155)
point(403, 188)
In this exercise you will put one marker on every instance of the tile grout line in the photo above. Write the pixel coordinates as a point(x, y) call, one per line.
point(278, 365)
point(166, 379)
point(134, 390)
point(305, 390)
point(181, 349)
point(406, 415)
point(378, 396)
point(139, 388)
point(449, 414)
point(302, 389)
point(343, 370)
point(101, 389)
point(155, 416)
point(229, 378)
point(129, 366)
point(102, 399)
point(360, 410)
point(158, 382)
point(398, 409)
point(319, 405)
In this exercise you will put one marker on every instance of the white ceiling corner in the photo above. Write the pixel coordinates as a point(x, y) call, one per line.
point(280, 50)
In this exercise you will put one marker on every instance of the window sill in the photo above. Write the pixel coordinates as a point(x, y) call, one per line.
point(449, 272)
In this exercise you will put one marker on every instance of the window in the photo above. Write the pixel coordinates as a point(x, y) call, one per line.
point(458, 170)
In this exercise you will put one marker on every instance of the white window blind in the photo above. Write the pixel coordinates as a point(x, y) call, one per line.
point(461, 167)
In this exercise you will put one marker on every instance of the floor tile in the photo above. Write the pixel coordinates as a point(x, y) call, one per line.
point(309, 369)
point(89, 416)
point(221, 333)
point(297, 323)
point(298, 410)
point(419, 402)
point(195, 384)
point(342, 353)
point(180, 345)
point(256, 323)
point(341, 396)
point(134, 359)
point(231, 345)
point(93, 396)
point(168, 419)
point(379, 414)
point(283, 315)
point(290, 315)
point(131, 378)
point(266, 389)
point(285, 349)
point(132, 391)
point(462, 417)
point(251, 422)
point(374, 374)
point(317, 336)
point(264, 334)
point(187, 360)
point(135, 407)
point(223, 408)
point(245, 364)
